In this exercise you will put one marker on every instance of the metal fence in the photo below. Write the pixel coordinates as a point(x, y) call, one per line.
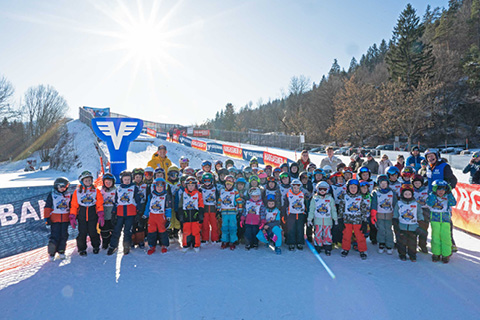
point(269, 140)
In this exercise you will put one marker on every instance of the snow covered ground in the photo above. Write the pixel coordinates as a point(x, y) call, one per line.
point(217, 284)
point(221, 284)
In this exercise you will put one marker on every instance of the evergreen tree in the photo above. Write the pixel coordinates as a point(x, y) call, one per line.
point(353, 66)
point(409, 59)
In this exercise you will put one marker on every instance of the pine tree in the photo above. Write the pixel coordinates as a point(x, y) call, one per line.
point(353, 66)
point(409, 59)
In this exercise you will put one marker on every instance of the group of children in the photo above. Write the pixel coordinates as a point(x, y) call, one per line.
point(227, 205)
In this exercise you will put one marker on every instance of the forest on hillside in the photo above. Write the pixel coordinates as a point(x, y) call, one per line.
point(421, 85)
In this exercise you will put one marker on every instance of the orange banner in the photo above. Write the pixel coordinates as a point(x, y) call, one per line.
point(273, 159)
point(152, 132)
point(199, 145)
point(466, 214)
point(233, 152)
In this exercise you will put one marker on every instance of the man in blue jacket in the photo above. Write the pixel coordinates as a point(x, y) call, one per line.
point(415, 159)
point(473, 167)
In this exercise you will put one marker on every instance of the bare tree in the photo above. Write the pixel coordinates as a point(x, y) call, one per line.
point(6, 93)
point(43, 107)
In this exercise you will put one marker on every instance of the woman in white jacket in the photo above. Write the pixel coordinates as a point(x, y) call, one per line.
point(384, 164)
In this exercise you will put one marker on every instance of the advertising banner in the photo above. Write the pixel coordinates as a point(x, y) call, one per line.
point(232, 152)
point(186, 141)
point(273, 159)
point(215, 147)
point(201, 133)
point(152, 132)
point(199, 145)
point(162, 135)
point(249, 154)
point(466, 214)
point(98, 112)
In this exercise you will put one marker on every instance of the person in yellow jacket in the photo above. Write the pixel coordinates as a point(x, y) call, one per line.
point(159, 159)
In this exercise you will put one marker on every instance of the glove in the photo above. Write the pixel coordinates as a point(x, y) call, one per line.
point(373, 216)
point(364, 227)
point(137, 217)
point(262, 224)
point(168, 213)
point(395, 222)
point(242, 222)
point(101, 218)
point(422, 233)
point(167, 223)
point(335, 222)
point(73, 220)
point(310, 223)
point(200, 221)
point(47, 221)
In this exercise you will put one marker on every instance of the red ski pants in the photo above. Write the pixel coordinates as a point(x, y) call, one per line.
point(210, 221)
point(347, 237)
point(191, 229)
point(156, 223)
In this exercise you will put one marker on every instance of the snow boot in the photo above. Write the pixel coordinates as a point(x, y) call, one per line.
point(423, 249)
point(300, 246)
point(318, 249)
point(413, 258)
point(151, 250)
point(196, 249)
point(328, 252)
point(51, 258)
point(278, 250)
point(164, 249)
point(247, 247)
point(291, 247)
point(232, 246)
point(344, 253)
point(255, 246)
point(111, 251)
point(104, 245)
point(403, 257)
point(141, 245)
point(96, 250)
point(445, 259)
point(224, 245)
point(126, 248)
point(51, 249)
point(389, 250)
point(435, 258)
point(381, 248)
point(374, 242)
point(454, 248)
point(83, 253)
point(61, 256)
point(363, 255)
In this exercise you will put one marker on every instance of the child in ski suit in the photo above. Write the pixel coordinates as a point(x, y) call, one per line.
point(381, 212)
point(421, 194)
point(127, 199)
point(271, 230)
point(191, 214)
point(294, 216)
point(321, 214)
point(139, 227)
point(56, 214)
point(440, 201)
point(229, 204)
point(173, 184)
point(158, 210)
point(253, 218)
point(407, 213)
point(87, 208)
point(354, 212)
point(210, 198)
point(338, 189)
point(109, 192)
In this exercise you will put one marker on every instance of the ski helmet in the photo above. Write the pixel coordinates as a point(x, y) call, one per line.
point(183, 178)
point(364, 183)
point(253, 160)
point(261, 174)
point(241, 180)
point(191, 180)
point(83, 175)
point(230, 178)
point(207, 177)
point(254, 177)
point(311, 166)
point(352, 182)
point(270, 197)
point(223, 171)
point(109, 176)
point(160, 170)
point(149, 171)
point(381, 177)
point(417, 177)
point(233, 171)
point(189, 171)
point(432, 151)
point(284, 175)
point(173, 172)
point(318, 171)
point(125, 173)
point(61, 182)
point(206, 163)
point(296, 182)
point(184, 159)
point(405, 187)
point(440, 185)
point(408, 172)
point(283, 165)
point(159, 181)
point(364, 169)
point(322, 185)
point(392, 170)
point(229, 162)
point(247, 170)
point(138, 171)
point(277, 170)
point(218, 162)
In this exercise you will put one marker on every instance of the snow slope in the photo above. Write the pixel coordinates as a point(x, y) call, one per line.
point(218, 284)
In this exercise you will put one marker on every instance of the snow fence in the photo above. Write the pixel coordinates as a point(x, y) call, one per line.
point(22, 227)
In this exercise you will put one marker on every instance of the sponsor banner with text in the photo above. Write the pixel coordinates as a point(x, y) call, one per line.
point(466, 214)
point(233, 152)
point(273, 159)
point(199, 145)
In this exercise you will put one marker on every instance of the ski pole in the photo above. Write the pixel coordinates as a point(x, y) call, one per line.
point(317, 255)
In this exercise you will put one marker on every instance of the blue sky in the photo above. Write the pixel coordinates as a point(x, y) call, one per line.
point(182, 61)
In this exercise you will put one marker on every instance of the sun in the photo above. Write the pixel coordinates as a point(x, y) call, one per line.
point(144, 40)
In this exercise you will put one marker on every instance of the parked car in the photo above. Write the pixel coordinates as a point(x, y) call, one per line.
point(452, 150)
point(318, 150)
point(385, 147)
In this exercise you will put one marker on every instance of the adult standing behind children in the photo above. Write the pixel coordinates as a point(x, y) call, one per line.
point(371, 164)
point(304, 161)
point(384, 164)
point(160, 159)
point(330, 160)
point(473, 168)
point(415, 159)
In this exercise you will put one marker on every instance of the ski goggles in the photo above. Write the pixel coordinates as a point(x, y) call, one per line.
point(185, 160)
point(160, 183)
point(62, 185)
point(148, 174)
point(476, 155)
point(229, 183)
point(173, 174)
